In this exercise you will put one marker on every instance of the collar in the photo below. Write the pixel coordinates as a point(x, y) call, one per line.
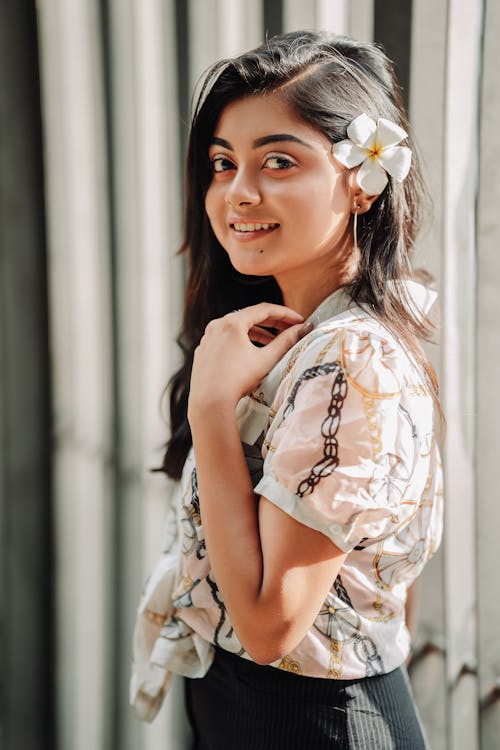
point(335, 304)
point(419, 297)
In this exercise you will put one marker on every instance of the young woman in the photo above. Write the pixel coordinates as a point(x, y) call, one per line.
point(303, 417)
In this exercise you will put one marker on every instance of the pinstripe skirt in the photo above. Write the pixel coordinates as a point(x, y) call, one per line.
point(240, 705)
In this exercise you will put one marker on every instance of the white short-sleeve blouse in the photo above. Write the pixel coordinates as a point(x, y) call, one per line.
point(341, 436)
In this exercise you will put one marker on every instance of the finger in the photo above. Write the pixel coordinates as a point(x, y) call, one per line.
point(255, 314)
point(258, 341)
point(284, 341)
point(277, 324)
point(260, 335)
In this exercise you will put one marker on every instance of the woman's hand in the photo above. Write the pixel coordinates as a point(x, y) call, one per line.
point(226, 363)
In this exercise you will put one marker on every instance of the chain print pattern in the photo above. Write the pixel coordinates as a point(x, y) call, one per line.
point(335, 664)
point(229, 635)
point(373, 427)
point(343, 628)
point(191, 523)
point(341, 591)
point(367, 653)
point(182, 598)
point(330, 425)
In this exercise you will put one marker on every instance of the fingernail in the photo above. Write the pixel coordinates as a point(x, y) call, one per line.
point(307, 327)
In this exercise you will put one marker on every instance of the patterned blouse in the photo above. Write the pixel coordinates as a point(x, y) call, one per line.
point(340, 435)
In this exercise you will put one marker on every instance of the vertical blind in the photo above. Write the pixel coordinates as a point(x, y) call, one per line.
point(116, 82)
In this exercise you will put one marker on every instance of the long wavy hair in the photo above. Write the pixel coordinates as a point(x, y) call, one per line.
point(328, 81)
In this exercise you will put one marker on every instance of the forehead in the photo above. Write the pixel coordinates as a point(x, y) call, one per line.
point(259, 115)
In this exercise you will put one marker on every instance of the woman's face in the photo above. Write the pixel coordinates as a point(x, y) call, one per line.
point(277, 201)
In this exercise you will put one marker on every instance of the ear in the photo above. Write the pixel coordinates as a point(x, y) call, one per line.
point(360, 201)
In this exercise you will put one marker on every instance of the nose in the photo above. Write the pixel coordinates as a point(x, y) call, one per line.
point(243, 190)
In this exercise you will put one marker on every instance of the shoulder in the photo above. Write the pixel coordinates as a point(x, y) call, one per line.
point(358, 346)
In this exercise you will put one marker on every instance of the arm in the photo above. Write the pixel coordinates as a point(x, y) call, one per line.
point(273, 572)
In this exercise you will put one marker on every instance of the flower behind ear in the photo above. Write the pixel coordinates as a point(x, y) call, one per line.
point(374, 146)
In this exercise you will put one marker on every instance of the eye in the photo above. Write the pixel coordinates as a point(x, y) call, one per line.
point(221, 164)
point(279, 162)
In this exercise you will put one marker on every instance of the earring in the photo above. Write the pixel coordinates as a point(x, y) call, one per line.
point(356, 207)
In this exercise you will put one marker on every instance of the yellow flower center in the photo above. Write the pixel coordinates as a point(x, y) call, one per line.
point(375, 152)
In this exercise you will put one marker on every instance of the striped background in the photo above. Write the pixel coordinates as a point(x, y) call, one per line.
point(94, 105)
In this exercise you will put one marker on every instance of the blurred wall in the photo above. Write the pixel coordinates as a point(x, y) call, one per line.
point(91, 295)
point(26, 541)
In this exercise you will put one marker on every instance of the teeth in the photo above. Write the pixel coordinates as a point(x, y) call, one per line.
point(253, 227)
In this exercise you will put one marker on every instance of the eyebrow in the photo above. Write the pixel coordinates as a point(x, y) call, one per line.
point(275, 138)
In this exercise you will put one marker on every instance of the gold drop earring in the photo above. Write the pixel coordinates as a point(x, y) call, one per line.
point(356, 207)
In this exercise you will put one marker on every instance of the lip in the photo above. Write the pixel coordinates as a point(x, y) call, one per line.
point(250, 220)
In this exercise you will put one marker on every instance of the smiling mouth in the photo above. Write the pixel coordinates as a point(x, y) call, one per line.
point(252, 228)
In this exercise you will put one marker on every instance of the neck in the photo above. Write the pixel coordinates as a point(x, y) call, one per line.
point(303, 289)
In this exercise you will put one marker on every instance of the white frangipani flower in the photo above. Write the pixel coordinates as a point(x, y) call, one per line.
point(374, 146)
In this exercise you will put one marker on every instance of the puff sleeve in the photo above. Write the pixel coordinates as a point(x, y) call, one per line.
point(339, 450)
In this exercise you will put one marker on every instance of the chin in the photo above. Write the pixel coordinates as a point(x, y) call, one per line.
point(256, 265)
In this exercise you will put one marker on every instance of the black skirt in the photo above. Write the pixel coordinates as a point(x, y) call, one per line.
point(240, 705)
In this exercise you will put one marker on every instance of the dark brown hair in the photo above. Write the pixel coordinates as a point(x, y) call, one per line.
point(328, 81)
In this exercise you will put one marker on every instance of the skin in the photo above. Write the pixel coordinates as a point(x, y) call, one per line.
point(273, 572)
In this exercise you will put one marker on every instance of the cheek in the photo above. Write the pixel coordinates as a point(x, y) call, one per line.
point(319, 207)
point(215, 211)
point(215, 202)
point(322, 189)
point(210, 204)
